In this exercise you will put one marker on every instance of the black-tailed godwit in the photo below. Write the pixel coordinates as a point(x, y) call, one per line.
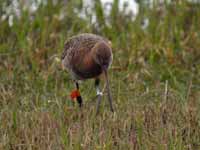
point(88, 56)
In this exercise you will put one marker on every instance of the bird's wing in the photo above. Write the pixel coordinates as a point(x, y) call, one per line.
point(83, 42)
point(68, 44)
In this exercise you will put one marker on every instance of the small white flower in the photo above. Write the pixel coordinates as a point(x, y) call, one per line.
point(10, 20)
point(130, 7)
point(57, 59)
point(3, 17)
point(145, 23)
point(33, 7)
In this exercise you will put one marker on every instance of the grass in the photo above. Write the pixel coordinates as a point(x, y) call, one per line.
point(154, 78)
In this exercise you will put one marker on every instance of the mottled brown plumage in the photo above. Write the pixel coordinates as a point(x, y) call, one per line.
point(79, 55)
point(87, 56)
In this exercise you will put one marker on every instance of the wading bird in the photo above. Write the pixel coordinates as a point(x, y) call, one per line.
point(87, 56)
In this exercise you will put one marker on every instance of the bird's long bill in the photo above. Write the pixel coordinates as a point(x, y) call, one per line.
point(108, 90)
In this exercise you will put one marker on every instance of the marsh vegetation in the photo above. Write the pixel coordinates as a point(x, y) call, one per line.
point(155, 78)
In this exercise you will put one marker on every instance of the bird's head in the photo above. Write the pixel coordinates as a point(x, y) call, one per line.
point(102, 54)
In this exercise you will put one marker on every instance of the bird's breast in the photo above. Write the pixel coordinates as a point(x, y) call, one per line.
point(86, 68)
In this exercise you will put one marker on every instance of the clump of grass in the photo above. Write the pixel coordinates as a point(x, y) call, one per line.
point(154, 77)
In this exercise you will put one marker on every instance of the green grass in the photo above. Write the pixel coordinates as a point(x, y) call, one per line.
point(155, 81)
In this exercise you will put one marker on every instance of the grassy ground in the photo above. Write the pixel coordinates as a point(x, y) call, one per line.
point(155, 79)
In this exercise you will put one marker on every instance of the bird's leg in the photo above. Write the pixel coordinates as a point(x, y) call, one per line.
point(79, 98)
point(108, 90)
point(99, 94)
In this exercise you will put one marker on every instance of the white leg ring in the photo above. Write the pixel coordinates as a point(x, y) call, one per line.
point(99, 93)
